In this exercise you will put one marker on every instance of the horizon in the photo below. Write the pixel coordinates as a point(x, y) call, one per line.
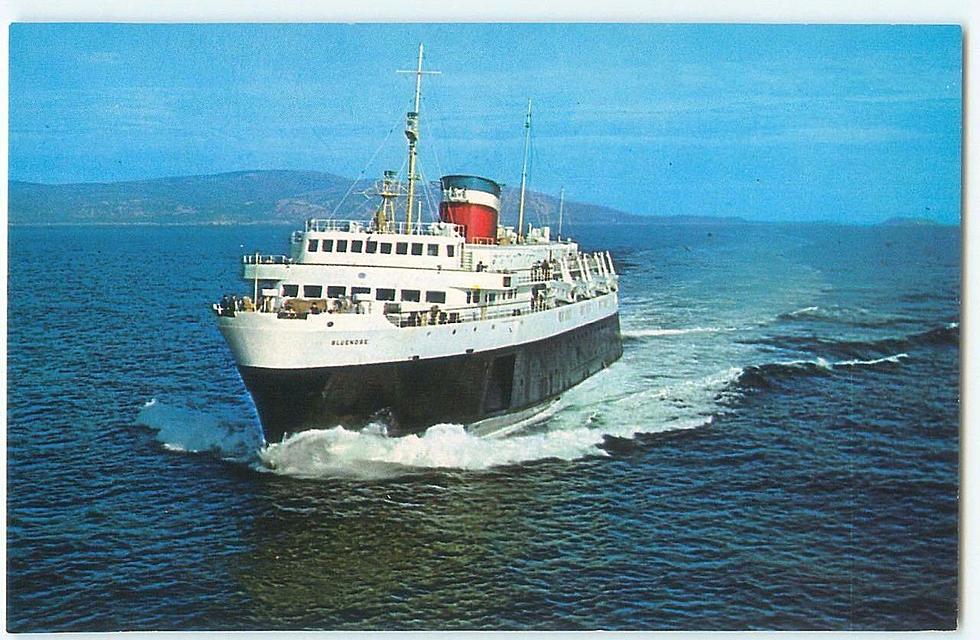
point(732, 219)
point(848, 124)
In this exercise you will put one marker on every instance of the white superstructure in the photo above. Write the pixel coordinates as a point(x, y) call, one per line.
point(348, 294)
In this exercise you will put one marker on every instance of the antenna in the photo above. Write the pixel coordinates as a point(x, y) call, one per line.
point(561, 210)
point(527, 146)
point(412, 133)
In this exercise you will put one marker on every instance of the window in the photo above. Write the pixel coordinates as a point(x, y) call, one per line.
point(439, 297)
point(492, 297)
point(385, 247)
point(326, 245)
point(312, 291)
point(357, 246)
point(432, 249)
point(311, 245)
point(401, 248)
point(372, 246)
point(357, 290)
point(336, 292)
point(341, 246)
point(416, 248)
point(290, 290)
point(450, 250)
point(384, 294)
point(410, 295)
point(506, 281)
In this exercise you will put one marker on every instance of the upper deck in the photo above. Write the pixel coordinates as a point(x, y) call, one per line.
point(437, 245)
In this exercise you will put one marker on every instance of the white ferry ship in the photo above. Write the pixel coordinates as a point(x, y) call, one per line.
point(416, 323)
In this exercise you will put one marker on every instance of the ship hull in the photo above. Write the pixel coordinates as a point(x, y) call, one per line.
point(412, 395)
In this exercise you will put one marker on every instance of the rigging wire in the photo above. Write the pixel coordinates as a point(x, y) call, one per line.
point(364, 170)
point(428, 199)
point(434, 145)
point(428, 126)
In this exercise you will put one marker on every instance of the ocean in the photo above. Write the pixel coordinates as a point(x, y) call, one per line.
point(778, 448)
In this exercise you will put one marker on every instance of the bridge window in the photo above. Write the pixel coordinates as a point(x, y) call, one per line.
point(290, 290)
point(372, 246)
point(356, 290)
point(416, 248)
point(432, 249)
point(312, 291)
point(450, 250)
point(357, 246)
point(410, 295)
point(385, 247)
point(401, 248)
point(384, 294)
point(438, 297)
point(312, 244)
point(336, 291)
point(326, 245)
point(341, 246)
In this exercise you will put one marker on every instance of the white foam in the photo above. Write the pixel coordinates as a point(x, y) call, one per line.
point(616, 402)
point(186, 429)
point(898, 357)
point(820, 362)
point(645, 333)
point(339, 452)
point(802, 312)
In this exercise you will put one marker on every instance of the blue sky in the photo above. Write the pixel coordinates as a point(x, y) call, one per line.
point(767, 122)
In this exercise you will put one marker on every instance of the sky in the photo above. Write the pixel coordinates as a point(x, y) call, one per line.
point(854, 123)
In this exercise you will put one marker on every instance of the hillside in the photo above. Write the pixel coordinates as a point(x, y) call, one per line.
point(248, 197)
point(905, 221)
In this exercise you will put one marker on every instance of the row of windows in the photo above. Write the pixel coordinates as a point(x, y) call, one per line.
point(388, 295)
point(474, 296)
point(373, 246)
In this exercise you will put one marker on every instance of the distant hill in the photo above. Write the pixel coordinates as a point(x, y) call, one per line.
point(247, 197)
point(904, 221)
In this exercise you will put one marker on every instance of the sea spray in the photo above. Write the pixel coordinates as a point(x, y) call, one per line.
point(196, 431)
point(339, 452)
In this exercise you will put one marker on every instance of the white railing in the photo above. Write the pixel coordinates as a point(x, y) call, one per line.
point(362, 226)
point(255, 258)
point(452, 315)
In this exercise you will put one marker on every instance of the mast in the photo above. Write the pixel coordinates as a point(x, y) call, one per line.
point(412, 133)
point(561, 210)
point(527, 147)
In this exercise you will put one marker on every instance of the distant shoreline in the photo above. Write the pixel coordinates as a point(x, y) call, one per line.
point(657, 222)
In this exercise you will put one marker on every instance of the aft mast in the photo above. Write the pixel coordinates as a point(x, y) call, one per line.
point(561, 210)
point(412, 133)
point(527, 147)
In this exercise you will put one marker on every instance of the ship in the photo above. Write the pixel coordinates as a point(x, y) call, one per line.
point(410, 323)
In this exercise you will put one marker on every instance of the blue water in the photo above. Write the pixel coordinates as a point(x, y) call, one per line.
point(777, 449)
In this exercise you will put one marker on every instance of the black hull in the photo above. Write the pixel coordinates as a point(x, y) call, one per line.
point(415, 394)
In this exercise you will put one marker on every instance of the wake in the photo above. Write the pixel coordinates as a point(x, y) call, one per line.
point(619, 402)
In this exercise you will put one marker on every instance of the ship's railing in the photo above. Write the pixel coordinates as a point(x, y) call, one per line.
point(291, 308)
point(451, 315)
point(362, 226)
point(255, 258)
